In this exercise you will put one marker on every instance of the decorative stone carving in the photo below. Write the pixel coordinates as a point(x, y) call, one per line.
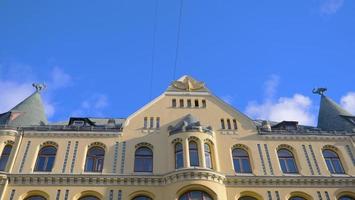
point(188, 84)
point(144, 144)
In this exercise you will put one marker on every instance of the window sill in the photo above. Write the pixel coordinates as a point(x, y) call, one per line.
point(291, 174)
point(243, 174)
point(340, 175)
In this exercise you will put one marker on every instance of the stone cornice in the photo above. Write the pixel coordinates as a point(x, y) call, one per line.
point(9, 132)
point(177, 176)
point(306, 137)
point(71, 134)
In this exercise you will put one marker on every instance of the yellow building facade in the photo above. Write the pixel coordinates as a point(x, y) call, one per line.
point(186, 144)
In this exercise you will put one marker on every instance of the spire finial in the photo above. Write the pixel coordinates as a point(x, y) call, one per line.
point(39, 86)
point(319, 91)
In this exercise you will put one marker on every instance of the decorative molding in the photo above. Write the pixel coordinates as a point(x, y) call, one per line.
point(286, 146)
point(314, 159)
point(49, 143)
point(115, 158)
point(123, 157)
point(350, 153)
point(176, 140)
point(74, 156)
point(66, 156)
point(193, 138)
point(66, 134)
point(208, 141)
point(261, 158)
point(178, 176)
point(9, 142)
point(315, 137)
point(97, 144)
point(8, 132)
point(330, 147)
point(240, 146)
point(24, 156)
point(269, 159)
point(307, 158)
point(144, 144)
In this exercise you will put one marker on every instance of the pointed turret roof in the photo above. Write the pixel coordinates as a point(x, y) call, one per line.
point(333, 117)
point(29, 112)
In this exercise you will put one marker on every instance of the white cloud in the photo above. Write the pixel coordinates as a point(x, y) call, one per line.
point(59, 78)
point(295, 108)
point(13, 89)
point(348, 102)
point(93, 106)
point(329, 7)
point(13, 93)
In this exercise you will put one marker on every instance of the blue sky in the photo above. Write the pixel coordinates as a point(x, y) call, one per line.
point(263, 57)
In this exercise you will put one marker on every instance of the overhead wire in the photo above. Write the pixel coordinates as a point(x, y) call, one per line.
point(178, 38)
point(153, 48)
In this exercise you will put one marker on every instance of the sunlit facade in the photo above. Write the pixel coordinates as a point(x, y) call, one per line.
point(186, 144)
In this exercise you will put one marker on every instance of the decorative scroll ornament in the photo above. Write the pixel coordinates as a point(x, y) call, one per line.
point(188, 84)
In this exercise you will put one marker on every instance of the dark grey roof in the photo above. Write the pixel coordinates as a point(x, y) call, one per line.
point(333, 117)
point(27, 113)
point(189, 123)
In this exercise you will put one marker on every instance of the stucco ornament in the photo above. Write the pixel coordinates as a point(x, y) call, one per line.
point(39, 86)
point(319, 91)
point(188, 84)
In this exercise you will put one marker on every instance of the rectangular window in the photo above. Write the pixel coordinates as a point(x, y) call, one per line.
point(158, 122)
point(223, 126)
point(145, 122)
point(189, 103)
point(181, 103)
point(151, 122)
point(204, 105)
point(196, 103)
point(173, 103)
point(229, 124)
point(235, 125)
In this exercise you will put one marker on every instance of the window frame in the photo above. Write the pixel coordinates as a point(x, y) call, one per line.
point(208, 154)
point(5, 156)
point(239, 159)
point(195, 150)
point(97, 160)
point(46, 159)
point(331, 164)
point(145, 158)
point(177, 153)
point(286, 159)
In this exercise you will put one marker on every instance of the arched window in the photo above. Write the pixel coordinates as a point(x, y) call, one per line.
point(89, 198)
point(195, 195)
point(142, 198)
point(241, 161)
point(193, 152)
point(35, 197)
point(179, 156)
point(247, 198)
point(296, 198)
point(95, 159)
point(5, 156)
point(287, 161)
point(45, 159)
point(208, 156)
point(346, 197)
point(143, 160)
point(333, 162)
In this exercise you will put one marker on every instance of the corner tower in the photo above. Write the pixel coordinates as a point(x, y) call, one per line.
point(29, 112)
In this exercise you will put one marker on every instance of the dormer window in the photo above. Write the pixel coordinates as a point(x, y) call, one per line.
point(78, 123)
